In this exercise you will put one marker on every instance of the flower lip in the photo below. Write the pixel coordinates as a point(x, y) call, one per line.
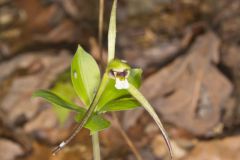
point(121, 84)
point(120, 77)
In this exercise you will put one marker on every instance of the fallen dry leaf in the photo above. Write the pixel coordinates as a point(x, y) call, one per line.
point(219, 149)
point(22, 81)
point(190, 92)
point(9, 150)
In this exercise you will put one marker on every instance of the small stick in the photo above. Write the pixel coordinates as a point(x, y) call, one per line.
point(126, 138)
point(100, 31)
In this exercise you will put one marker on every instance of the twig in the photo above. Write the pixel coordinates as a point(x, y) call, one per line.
point(100, 31)
point(126, 138)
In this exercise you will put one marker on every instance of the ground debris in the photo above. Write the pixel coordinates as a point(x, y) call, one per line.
point(221, 149)
point(191, 91)
point(9, 150)
point(188, 50)
point(25, 74)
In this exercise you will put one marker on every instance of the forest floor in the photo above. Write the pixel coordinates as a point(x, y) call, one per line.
point(189, 51)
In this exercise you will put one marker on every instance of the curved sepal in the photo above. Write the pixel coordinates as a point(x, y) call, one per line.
point(135, 93)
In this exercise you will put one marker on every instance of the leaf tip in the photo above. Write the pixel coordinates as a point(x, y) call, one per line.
point(79, 48)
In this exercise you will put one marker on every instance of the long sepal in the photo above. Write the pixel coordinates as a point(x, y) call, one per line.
point(112, 32)
point(136, 94)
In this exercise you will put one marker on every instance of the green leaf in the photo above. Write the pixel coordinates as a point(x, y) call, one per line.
point(135, 93)
point(65, 91)
point(120, 105)
point(111, 93)
point(112, 32)
point(85, 75)
point(55, 99)
point(95, 123)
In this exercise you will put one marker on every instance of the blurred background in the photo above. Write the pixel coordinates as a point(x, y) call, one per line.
point(189, 51)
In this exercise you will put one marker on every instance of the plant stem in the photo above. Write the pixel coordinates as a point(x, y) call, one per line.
point(96, 147)
point(95, 139)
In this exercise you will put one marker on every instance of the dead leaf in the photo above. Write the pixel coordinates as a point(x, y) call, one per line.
point(9, 150)
point(190, 92)
point(219, 149)
point(23, 81)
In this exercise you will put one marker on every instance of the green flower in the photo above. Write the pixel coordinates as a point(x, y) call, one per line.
point(119, 70)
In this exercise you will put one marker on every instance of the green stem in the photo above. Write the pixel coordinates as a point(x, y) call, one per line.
point(96, 147)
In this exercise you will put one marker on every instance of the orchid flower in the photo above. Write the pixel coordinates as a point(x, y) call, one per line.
point(119, 70)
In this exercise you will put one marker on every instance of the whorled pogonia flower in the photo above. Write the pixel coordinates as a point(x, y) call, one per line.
point(119, 70)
